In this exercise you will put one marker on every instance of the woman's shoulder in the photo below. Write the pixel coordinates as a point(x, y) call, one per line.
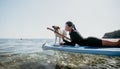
point(74, 32)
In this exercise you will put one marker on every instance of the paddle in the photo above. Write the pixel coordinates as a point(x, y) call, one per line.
point(58, 33)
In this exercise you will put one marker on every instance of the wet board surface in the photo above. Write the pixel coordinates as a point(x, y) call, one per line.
point(110, 51)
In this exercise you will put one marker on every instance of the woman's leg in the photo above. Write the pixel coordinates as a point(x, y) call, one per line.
point(109, 43)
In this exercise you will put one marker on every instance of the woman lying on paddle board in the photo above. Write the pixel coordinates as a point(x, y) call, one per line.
point(76, 38)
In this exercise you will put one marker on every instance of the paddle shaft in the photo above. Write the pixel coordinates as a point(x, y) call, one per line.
point(58, 33)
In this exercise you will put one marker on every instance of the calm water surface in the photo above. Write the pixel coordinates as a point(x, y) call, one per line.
point(28, 54)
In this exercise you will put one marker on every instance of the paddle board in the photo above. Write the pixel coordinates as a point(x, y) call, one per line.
point(110, 51)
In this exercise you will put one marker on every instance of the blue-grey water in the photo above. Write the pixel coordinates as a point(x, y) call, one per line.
point(28, 54)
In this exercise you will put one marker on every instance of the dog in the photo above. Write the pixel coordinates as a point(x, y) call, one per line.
point(57, 29)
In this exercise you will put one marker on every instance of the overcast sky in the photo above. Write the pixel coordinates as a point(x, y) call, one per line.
point(29, 18)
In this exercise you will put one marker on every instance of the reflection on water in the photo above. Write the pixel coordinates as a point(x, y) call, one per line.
point(28, 54)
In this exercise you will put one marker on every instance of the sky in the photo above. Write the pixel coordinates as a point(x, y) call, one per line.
point(30, 18)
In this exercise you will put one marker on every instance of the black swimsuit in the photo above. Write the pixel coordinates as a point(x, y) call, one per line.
point(76, 38)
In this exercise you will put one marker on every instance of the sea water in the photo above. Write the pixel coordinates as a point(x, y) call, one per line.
point(28, 54)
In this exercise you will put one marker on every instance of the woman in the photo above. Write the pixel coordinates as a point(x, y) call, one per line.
point(76, 38)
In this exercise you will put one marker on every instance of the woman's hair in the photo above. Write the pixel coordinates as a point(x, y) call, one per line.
point(70, 24)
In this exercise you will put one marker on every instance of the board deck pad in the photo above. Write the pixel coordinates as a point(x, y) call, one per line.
point(110, 51)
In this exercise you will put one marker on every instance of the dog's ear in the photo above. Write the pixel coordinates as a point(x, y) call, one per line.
point(53, 26)
point(58, 27)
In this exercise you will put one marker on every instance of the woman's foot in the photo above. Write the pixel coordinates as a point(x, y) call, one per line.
point(118, 43)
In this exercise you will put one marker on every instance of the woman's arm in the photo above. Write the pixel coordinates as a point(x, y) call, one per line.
point(68, 43)
point(75, 39)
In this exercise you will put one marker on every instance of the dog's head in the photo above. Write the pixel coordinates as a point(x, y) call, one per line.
point(56, 27)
